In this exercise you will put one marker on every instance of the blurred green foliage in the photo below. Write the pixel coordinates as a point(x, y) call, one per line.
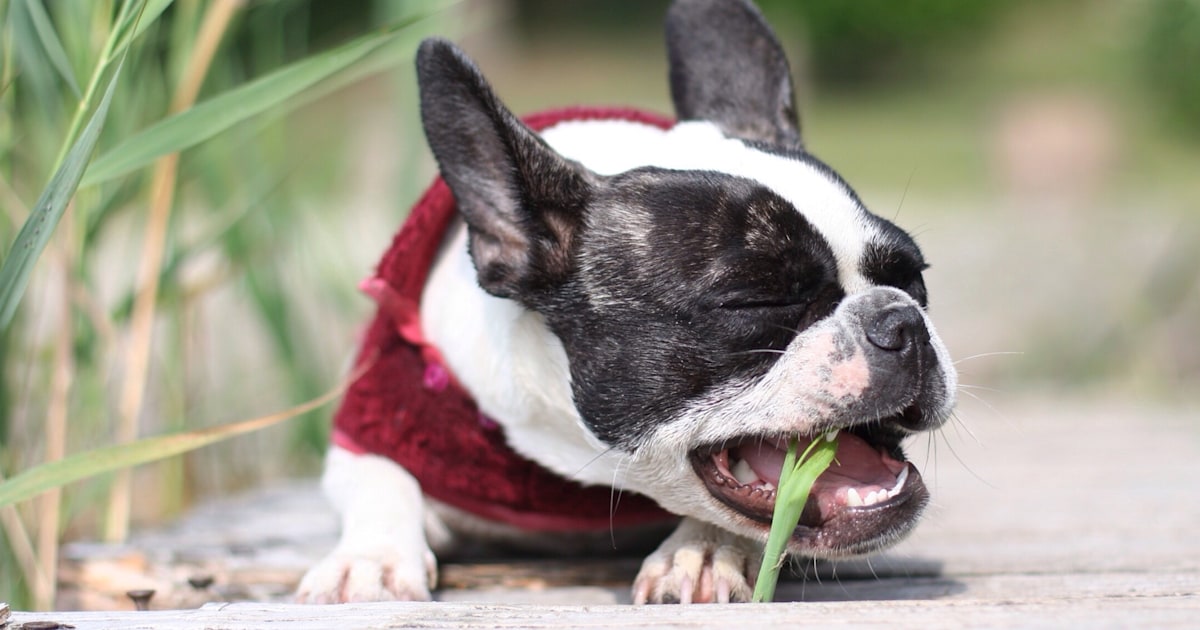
point(598, 17)
point(849, 42)
point(1171, 58)
point(252, 213)
point(878, 40)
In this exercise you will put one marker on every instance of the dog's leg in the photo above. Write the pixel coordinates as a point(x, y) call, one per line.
point(698, 563)
point(383, 553)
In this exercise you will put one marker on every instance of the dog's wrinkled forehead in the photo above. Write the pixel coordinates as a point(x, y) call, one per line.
point(829, 209)
point(700, 239)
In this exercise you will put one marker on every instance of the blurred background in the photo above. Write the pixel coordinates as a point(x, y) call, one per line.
point(1046, 155)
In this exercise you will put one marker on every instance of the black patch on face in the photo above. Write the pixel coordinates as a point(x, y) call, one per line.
point(684, 281)
point(895, 261)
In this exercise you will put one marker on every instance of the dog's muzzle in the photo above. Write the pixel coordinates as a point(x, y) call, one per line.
point(871, 495)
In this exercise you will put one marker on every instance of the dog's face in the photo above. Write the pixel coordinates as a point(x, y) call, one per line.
point(726, 295)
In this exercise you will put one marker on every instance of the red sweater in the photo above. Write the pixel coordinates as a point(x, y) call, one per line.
point(408, 407)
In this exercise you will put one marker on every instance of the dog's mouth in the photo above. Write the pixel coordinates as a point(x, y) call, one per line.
point(869, 497)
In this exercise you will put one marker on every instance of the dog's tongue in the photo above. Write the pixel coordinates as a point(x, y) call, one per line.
point(856, 465)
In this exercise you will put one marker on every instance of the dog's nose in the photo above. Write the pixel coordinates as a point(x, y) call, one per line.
point(898, 328)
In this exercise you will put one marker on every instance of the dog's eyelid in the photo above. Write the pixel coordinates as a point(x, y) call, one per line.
point(751, 301)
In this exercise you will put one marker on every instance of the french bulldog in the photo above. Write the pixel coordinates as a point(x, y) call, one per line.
point(632, 318)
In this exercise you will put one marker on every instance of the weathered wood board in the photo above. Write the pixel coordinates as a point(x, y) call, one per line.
point(1034, 612)
point(1044, 515)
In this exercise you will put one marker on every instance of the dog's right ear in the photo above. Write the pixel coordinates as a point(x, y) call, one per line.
point(523, 202)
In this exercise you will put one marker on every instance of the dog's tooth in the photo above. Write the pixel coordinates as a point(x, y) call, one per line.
point(900, 479)
point(831, 435)
point(767, 485)
point(853, 499)
point(744, 473)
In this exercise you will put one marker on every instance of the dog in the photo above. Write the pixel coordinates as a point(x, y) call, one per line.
point(603, 325)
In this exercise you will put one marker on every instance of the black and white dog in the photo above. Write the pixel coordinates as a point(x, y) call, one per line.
point(658, 311)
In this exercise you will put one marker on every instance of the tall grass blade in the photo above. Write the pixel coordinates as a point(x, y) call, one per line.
point(149, 14)
point(28, 57)
point(32, 239)
point(219, 113)
point(98, 461)
point(51, 45)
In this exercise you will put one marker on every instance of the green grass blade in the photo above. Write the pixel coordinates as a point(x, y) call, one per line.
point(219, 113)
point(795, 484)
point(149, 15)
point(29, 58)
point(32, 239)
point(50, 43)
point(98, 461)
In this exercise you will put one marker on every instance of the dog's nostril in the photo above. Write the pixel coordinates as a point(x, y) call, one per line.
point(897, 328)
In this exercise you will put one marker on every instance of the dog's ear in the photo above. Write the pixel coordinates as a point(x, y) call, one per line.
point(522, 201)
point(728, 68)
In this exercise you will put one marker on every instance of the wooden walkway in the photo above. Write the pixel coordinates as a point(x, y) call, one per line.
point(1044, 515)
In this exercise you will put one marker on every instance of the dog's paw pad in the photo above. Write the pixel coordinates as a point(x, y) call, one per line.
point(367, 577)
point(694, 572)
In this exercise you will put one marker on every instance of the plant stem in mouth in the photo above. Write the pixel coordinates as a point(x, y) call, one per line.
point(795, 482)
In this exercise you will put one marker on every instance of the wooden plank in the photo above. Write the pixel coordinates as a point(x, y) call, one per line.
point(1041, 612)
point(1046, 486)
point(1045, 514)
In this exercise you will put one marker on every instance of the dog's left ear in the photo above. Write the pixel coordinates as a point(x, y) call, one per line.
point(523, 202)
point(728, 68)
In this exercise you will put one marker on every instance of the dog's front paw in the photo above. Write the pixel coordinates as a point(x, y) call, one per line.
point(698, 563)
point(369, 576)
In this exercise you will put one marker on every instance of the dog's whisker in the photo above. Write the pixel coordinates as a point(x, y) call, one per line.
point(960, 423)
point(871, 568)
point(982, 388)
point(990, 407)
point(963, 462)
point(930, 447)
point(614, 501)
point(593, 460)
point(988, 354)
point(790, 329)
point(759, 351)
point(904, 195)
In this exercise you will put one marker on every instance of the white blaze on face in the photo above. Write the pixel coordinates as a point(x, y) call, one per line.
point(611, 147)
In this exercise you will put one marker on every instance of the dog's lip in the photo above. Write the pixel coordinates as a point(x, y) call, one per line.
point(869, 495)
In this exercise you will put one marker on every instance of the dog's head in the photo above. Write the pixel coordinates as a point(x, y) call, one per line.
point(723, 294)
